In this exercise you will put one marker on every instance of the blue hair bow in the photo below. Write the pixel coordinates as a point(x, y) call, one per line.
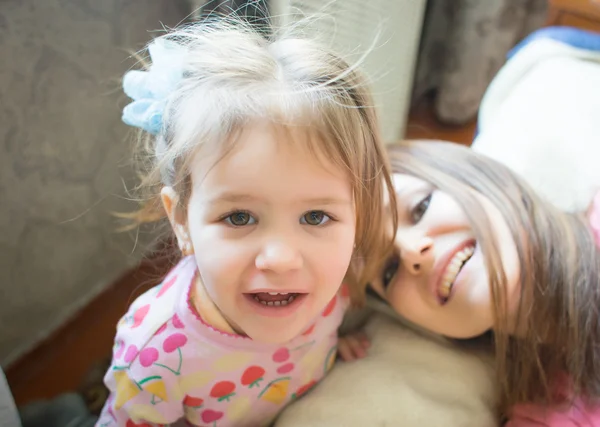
point(150, 89)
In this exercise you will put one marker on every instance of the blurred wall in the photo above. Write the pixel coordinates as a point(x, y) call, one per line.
point(64, 156)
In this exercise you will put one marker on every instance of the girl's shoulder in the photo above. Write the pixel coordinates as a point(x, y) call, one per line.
point(154, 308)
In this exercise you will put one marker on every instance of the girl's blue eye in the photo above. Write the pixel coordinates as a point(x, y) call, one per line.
point(315, 218)
point(240, 219)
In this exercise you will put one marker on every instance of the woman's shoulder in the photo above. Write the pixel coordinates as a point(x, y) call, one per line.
point(575, 411)
point(578, 414)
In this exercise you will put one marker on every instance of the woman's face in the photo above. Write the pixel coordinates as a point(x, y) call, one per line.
point(439, 279)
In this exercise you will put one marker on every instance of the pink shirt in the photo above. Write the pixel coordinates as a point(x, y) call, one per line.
point(580, 413)
point(170, 365)
point(576, 414)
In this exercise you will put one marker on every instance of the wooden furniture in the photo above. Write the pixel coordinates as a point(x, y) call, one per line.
point(584, 14)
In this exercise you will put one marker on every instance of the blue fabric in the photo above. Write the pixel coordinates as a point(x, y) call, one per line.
point(151, 89)
point(575, 37)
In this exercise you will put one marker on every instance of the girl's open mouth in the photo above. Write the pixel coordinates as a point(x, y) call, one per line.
point(275, 299)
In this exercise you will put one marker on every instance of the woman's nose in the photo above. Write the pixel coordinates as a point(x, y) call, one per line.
point(416, 251)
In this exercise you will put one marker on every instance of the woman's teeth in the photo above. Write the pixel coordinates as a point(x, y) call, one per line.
point(453, 269)
point(275, 299)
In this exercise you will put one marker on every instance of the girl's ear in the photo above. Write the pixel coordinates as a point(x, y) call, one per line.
point(170, 200)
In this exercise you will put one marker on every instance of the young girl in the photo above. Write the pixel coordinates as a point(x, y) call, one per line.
point(478, 251)
point(266, 159)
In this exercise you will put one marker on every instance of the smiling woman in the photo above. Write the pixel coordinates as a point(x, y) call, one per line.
point(478, 250)
point(440, 278)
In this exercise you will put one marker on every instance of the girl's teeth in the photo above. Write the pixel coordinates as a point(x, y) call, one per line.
point(277, 293)
point(275, 303)
point(452, 270)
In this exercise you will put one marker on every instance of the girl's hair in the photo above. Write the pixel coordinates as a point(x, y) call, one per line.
point(233, 75)
point(559, 272)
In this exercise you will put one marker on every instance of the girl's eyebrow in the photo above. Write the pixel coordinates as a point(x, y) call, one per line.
point(326, 201)
point(233, 197)
point(241, 197)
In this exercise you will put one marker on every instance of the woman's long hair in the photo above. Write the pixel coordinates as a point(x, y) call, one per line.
point(559, 273)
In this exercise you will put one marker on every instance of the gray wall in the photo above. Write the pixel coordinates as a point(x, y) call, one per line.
point(64, 155)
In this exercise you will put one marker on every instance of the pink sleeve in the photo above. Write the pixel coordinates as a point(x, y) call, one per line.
point(143, 389)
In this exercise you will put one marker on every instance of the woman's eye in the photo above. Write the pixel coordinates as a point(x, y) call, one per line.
point(315, 218)
point(240, 219)
point(390, 270)
point(419, 210)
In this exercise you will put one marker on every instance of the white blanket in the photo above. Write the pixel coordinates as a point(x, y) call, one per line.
point(541, 117)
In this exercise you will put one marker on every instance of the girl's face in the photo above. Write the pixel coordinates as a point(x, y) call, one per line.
point(272, 230)
point(439, 280)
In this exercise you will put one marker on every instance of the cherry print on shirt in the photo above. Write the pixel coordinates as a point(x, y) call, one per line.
point(166, 285)
point(210, 416)
point(281, 355)
point(177, 322)
point(252, 376)
point(130, 355)
point(329, 309)
point(130, 423)
point(148, 356)
point(223, 390)
point(172, 343)
point(309, 330)
point(140, 315)
point(304, 389)
point(284, 369)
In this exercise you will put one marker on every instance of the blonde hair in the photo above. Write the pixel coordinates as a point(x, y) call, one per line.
point(559, 274)
point(233, 75)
